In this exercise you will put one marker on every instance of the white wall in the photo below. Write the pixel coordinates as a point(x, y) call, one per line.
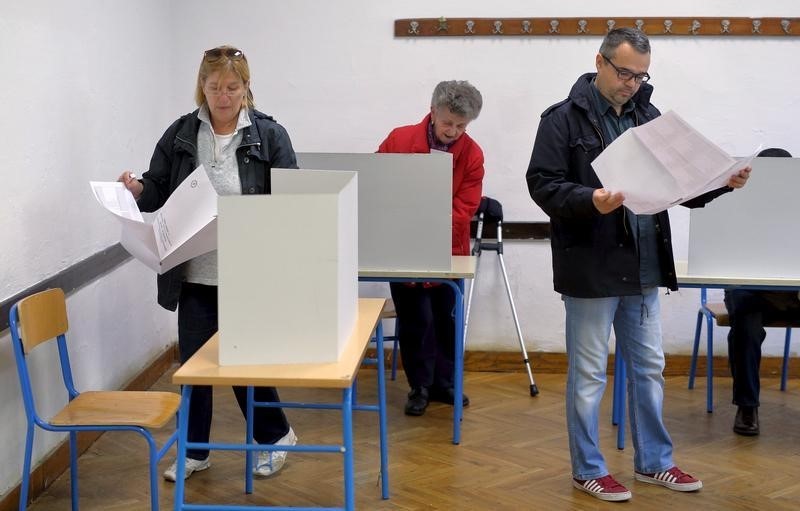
point(335, 76)
point(85, 94)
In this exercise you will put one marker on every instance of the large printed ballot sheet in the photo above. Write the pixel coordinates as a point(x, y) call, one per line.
point(184, 227)
point(663, 163)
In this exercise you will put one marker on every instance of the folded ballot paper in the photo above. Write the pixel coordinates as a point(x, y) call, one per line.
point(184, 227)
point(663, 163)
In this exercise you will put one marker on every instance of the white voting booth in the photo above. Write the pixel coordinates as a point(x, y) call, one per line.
point(289, 262)
point(405, 207)
point(751, 232)
point(288, 274)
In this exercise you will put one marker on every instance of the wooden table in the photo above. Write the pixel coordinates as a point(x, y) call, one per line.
point(461, 267)
point(203, 368)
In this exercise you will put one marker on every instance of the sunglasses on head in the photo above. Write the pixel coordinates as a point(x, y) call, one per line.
point(218, 53)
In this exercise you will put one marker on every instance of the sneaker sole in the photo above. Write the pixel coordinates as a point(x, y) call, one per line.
point(612, 497)
point(672, 486)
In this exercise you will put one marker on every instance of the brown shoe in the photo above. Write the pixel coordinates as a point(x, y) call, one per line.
point(746, 421)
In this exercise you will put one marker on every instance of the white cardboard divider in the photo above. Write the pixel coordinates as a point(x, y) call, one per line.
point(405, 206)
point(288, 270)
point(750, 232)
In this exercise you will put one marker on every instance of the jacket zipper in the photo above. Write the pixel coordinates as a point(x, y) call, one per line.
point(603, 144)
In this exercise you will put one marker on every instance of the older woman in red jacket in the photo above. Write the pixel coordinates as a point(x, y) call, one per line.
point(425, 311)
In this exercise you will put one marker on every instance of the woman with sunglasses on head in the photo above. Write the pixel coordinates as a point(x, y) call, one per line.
point(238, 146)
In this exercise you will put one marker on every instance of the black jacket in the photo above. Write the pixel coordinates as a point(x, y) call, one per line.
point(265, 144)
point(594, 255)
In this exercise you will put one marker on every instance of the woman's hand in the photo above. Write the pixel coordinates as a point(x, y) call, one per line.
point(131, 183)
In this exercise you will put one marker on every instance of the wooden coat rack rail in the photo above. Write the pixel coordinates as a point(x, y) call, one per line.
point(524, 27)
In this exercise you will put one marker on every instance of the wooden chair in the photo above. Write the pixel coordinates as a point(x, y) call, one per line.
point(42, 317)
point(719, 313)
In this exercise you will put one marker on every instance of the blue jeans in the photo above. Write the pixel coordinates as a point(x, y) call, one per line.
point(637, 326)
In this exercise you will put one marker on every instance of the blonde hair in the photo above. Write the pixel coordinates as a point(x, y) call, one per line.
point(224, 64)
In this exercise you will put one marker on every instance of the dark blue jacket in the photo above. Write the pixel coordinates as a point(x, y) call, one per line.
point(265, 144)
point(594, 255)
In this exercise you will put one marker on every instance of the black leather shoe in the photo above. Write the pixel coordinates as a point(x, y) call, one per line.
point(417, 401)
point(448, 396)
point(746, 422)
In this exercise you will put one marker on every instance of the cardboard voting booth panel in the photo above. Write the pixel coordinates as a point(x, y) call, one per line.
point(288, 270)
point(405, 207)
point(752, 231)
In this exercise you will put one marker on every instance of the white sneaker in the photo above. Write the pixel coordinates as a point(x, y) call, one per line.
point(269, 462)
point(192, 466)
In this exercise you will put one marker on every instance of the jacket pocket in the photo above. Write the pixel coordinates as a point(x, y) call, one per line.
point(589, 143)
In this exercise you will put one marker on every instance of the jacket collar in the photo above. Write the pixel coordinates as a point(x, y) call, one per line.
point(455, 148)
point(186, 138)
point(581, 93)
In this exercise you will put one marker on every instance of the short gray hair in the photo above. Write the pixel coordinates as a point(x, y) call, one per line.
point(460, 97)
point(636, 38)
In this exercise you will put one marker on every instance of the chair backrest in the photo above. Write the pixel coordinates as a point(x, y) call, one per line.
point(41, 317)
point(34, 320)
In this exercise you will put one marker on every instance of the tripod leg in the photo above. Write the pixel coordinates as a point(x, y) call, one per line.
point(469, 298)
point(533, 388)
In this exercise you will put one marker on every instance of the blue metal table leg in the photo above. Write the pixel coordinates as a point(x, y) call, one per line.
point(347, 433)
point(248, 457)
point(458, 377)
point(710, 366)
point(183, 427)
point(382, 414)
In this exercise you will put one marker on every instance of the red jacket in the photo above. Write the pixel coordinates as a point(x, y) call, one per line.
point(467, 173)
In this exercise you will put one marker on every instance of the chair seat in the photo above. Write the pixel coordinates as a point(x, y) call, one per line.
point(720, 313)
point(722, 318)
point(119, 408)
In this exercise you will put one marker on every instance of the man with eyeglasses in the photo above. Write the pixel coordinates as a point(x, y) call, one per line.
point(608, 264)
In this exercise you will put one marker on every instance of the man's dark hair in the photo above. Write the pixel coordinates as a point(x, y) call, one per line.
point(636, 38)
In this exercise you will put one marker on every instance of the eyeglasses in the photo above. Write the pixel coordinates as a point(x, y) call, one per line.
point(626, 74)
point(219, 92)
point(217, 53)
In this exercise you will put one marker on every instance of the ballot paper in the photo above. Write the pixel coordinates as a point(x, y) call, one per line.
point(663, 163)
point(184, 227)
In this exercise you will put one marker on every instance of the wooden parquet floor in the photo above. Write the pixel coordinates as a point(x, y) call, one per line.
point(513, 455)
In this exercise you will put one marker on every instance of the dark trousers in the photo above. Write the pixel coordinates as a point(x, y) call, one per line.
point(426, 331)
point(197, 322)
point(749, 311)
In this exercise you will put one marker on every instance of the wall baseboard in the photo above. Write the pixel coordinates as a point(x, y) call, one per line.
point(57, 462)
point(555, 363)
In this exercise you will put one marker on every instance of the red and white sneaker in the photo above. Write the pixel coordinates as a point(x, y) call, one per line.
point(674, 479)
point(603, 488)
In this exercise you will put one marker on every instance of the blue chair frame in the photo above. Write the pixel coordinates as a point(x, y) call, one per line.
point(34, 419)
point(706, 311)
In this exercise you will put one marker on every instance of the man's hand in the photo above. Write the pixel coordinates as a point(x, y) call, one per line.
point(606, 202)
point(739, 179)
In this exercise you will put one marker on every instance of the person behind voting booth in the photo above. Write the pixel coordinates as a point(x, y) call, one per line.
point(749, 310)
point(608, 264)
point(238, 145)
point(425, 311)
